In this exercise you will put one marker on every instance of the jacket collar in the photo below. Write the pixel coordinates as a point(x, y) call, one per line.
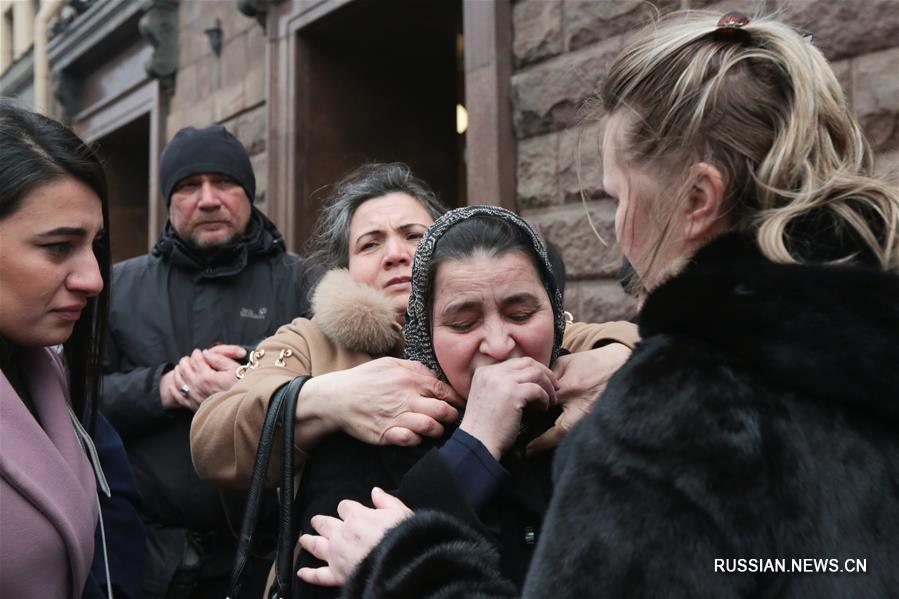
point(261, 238)
point(829, 332)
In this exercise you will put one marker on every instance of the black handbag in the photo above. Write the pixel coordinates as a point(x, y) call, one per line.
point(280, 413)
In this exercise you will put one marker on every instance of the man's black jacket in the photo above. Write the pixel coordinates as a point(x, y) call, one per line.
point(163, 306)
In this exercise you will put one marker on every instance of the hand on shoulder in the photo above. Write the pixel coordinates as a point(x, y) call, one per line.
point(388, 401)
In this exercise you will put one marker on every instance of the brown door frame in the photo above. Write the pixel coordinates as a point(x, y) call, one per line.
point(487, 27)
point(492, 152)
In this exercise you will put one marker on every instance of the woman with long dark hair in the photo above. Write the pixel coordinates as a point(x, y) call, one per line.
point(54, 263)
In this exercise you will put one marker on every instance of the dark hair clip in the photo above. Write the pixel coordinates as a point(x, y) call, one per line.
point(730, 26)
point(732, 21)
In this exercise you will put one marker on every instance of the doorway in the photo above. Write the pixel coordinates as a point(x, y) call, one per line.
point(126, 158)
point(380, 80)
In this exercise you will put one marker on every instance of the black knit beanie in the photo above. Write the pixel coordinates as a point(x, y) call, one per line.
point(211, 150)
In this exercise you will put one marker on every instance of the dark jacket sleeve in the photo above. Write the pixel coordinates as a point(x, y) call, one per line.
point(430, 555)
point(131, 399)
point(431, 485)
point(473, 468)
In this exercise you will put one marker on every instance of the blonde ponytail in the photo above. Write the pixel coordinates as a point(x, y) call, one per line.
point(764, 106)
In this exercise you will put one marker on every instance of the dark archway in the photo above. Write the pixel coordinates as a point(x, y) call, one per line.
point(379, 81)
point(126, 158)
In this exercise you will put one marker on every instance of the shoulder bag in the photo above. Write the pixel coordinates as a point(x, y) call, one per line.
point(280, 413)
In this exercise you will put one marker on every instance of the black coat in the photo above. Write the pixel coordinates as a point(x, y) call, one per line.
point(344, 468)
point(122, 526)
point(758, 419)
point(163, 306)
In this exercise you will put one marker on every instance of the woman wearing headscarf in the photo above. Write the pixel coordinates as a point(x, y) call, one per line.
point(750, 445)
point(485, 314)
point(353, 347)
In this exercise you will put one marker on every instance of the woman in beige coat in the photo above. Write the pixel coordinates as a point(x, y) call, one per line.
point(367, 235)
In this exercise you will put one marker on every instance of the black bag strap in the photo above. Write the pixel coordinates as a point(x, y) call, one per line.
point(281, 410)
point(284, 575)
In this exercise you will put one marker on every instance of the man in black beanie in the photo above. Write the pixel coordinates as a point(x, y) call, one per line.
point(218, 281)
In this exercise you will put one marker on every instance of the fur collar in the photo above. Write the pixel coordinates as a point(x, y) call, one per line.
point(827, 331)
point(355, 315)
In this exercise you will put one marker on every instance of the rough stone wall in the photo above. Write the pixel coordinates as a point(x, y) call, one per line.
point(561, 49)
point(229, 89)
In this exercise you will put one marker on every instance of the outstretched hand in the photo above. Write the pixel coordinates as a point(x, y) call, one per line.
point(343, 542)
point(582, 378)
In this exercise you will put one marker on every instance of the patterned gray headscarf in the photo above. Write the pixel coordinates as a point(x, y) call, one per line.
point(419, 345)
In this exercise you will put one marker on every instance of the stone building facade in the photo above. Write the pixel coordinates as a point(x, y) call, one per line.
point(561, 48)
point(313, 87)
point(227, 88)
point(16, 31)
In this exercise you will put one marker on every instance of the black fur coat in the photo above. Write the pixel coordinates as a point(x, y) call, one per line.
point(754, 428)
